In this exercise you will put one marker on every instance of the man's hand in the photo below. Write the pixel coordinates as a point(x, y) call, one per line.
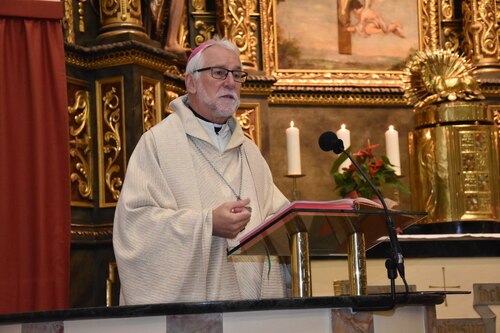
point(230, 218)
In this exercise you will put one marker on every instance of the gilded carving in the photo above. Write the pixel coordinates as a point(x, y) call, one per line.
point(429, 24)
point(205, 31)
point(120, 58)
point(124, 14)
point(80, 149)
point(234, 17)
point(447, 9)
point(436, 76)
point(122, 9)
point(268, 47)
point(379, 97)
point(112, 118)
point(480, 30)
point(68, 23)
point(91, 232)
point(451, 36)
point(474, 151)
point(248, 118)
point(111, 150)
point(198, 5)
point(151, 103)
point(171, 92)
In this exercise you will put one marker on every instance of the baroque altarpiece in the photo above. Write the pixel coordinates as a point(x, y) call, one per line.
point(125, 63)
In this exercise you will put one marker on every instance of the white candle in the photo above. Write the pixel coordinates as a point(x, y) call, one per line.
point(392, 148)
point(293, 149)
point(345, 135)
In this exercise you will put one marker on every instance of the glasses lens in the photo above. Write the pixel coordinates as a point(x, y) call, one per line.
point(219, 73)
point(239, 76)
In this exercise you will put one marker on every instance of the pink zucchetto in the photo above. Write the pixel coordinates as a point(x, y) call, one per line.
point(200, 48)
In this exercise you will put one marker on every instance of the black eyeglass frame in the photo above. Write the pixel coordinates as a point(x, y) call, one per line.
point(242, 79)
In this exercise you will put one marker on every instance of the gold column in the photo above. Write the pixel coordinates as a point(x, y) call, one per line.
point(357, 264)
point(301, 266)
point(119, 17)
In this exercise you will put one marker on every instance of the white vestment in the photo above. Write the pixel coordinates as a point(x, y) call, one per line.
point(162, 234)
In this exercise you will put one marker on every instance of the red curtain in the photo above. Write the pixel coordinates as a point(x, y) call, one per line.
point(34, 186)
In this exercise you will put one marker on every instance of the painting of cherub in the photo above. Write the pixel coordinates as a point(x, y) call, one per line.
point(356, 35)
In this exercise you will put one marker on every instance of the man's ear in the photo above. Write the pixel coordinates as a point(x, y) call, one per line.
point(190, 83)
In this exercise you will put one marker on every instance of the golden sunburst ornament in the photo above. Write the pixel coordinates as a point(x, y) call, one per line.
point(435, 76)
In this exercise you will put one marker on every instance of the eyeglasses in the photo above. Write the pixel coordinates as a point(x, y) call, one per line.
point(221, 73)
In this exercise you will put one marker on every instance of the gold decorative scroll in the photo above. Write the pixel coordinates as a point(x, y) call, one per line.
point(121, 16)
point(451, 37)
point(480, 31)
point(111, 129)
point(80, 146)
point(237, 26)
point(68, 22)
point(203, 22)
point(151, 102)
point(248, 116)
point(205, 31)
point(171, 92)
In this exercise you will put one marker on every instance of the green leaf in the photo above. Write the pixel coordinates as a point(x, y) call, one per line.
point(338, 162)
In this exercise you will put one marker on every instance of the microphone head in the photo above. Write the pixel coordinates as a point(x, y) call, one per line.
point(330, 141)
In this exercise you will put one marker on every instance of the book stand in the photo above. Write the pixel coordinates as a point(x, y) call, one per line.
point(306, 229)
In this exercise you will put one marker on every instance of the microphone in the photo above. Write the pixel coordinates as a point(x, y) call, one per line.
point(328, 141)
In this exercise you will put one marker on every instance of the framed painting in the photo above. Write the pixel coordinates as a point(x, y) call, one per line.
point(345, 42)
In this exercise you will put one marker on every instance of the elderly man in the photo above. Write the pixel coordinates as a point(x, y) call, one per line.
point(194, 185)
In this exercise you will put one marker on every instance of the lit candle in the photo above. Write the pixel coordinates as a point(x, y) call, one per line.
point(345, 135)
point(293, 149)
point(392, 149)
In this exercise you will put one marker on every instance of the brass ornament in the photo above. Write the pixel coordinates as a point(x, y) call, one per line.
point(436, 76)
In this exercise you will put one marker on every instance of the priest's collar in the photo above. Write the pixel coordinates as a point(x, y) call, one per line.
point(217, 127)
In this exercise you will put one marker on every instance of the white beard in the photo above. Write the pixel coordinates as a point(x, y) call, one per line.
point(222, 107)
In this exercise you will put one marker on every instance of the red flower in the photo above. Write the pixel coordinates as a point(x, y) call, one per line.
point(367, 152)
point(375, 166)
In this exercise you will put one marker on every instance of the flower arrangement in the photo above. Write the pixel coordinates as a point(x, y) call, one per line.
point(351, 184)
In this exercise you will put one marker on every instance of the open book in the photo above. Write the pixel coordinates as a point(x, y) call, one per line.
point(345, 204)
point(328, 224)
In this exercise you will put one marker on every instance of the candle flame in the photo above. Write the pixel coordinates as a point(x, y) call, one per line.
point(391, 128)
point(291, 123)
point(342, 126)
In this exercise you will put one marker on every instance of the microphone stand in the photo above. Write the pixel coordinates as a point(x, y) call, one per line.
point(395, 263)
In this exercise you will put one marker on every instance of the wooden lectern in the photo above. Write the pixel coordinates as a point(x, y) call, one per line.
point(332, 228)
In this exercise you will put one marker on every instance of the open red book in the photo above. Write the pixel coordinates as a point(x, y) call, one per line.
point(328, 224)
